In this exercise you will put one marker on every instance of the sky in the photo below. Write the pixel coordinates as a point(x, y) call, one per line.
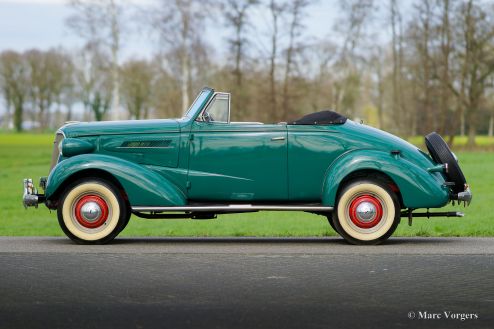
point(26, 24)
point(41, 24)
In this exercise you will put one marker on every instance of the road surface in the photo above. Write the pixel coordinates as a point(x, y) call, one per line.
point(246, 283)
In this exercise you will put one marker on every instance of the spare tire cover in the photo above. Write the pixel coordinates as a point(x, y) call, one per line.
point(440, 153)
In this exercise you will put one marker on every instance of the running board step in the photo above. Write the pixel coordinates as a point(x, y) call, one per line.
point(233, 208)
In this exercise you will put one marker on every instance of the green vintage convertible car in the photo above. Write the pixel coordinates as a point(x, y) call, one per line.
point(201, 165)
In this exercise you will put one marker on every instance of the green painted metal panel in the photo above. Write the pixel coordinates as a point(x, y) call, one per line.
point(75, 146)
point(419, 188)
point(144, 187)
point(311, 149)
point(238, 162)
point(158, 149)
point(120, 127)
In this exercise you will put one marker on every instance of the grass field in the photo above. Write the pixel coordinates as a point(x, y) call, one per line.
point(482, 142)
point(28, 155)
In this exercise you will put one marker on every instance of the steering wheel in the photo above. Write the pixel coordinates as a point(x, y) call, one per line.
point(207, 117)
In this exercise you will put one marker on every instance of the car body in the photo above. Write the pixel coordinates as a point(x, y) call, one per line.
point(202, 165)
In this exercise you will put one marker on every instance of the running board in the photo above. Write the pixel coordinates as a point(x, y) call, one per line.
point(233, 208)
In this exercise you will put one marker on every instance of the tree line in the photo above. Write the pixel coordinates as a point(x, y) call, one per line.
point(410, 69)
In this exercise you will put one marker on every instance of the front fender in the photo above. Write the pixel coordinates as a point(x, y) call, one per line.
point(143, 186)
point(418, 187)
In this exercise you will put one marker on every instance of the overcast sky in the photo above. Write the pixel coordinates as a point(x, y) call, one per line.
point(26, 24)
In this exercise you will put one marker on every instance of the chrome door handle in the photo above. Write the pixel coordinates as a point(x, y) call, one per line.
point(281, 138)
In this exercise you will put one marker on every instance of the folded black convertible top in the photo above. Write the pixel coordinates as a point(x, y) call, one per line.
point(320, 118)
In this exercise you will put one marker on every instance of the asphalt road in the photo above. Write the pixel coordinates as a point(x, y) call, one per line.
point(247, 283)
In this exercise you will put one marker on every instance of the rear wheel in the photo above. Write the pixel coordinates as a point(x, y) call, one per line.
point(92, 211)
point(367, 212)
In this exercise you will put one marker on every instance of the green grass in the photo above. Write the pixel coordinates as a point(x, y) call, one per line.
point(482, 142)
point(26, 155)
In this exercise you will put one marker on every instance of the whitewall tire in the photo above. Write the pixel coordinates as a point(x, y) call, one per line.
point(92, 211)
point(367, 212)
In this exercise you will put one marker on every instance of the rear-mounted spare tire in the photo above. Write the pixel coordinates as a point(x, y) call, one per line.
point(440, 152)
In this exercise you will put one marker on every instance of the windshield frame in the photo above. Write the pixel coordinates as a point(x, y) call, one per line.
point(199, 103)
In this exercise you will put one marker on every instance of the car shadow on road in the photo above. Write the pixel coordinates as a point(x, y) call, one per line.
point(274, 240)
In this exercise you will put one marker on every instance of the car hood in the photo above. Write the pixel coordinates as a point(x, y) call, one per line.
point(80, 129)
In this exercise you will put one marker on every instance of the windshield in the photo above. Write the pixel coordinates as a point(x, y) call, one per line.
point(199, 102)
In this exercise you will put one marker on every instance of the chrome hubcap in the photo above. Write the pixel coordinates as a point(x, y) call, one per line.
point(91, 211)
point(366, 212)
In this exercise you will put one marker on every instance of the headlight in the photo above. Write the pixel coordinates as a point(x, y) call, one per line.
point(74, 146)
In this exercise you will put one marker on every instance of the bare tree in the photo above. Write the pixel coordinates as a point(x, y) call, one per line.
point(14, 82)
point(236, 14)
point(137, 80)
point(397, 50)
point(443, 66)
point(93, 81)
point(166, 95)
point(475, 61)
point(319, 61)
point(355, 16)
point(296, 11)
point(6, 90)
point(377, 62)
point(352, 23)
point(100, 22)
point(275, 10)
point(67, 96)
point(178, 24)
point(46, 80)
point(490, 102)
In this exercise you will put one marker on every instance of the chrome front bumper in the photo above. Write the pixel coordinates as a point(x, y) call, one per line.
point(31, 198)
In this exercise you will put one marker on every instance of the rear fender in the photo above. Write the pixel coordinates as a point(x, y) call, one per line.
point(143, 186)
point(418, 187)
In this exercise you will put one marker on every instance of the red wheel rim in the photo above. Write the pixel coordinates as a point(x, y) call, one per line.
point(366, 211)
point(91, 211)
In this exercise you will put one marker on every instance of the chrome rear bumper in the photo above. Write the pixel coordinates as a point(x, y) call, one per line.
point(465, 196)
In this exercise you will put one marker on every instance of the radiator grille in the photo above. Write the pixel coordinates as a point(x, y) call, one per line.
point(146, 144)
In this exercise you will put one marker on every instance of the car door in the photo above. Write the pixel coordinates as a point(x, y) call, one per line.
point(236, 161)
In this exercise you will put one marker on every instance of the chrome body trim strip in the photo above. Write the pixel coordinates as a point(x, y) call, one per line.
point(144, 147)
point(232, 208)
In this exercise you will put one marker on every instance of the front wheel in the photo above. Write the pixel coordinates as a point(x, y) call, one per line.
point(367, 212)
point(92, 211)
